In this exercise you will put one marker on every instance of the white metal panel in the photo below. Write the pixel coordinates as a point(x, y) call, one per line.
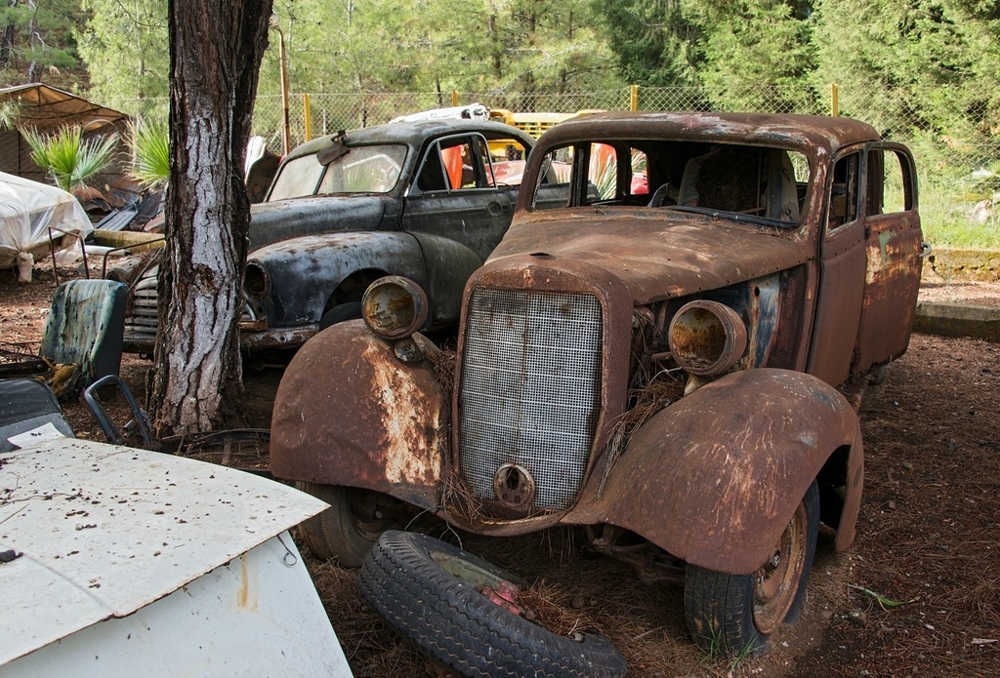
point(259, 615)
point(106, 530)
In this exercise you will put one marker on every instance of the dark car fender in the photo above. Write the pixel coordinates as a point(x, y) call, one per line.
point(305, 272)
point(714, 478)
point(348, 412)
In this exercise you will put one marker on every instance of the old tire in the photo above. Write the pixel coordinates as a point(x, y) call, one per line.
point(736, 614)
point(426, 590)
point(347, 530)
point(339, 313)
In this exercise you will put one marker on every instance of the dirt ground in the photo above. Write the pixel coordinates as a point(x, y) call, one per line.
point(926, 542)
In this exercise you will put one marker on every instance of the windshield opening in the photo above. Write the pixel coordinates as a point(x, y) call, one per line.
point(749, 183)
point(362, 169)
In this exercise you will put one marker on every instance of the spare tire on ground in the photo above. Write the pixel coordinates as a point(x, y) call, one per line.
point(462, 610)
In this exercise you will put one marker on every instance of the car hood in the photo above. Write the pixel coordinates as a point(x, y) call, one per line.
point(272, 222)
point(668, 255)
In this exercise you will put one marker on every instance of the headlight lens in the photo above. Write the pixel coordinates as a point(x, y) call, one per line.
point(394, 307)
point(707, 337)
point(256, 281)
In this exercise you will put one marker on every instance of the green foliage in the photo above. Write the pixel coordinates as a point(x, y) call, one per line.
point(10, 112)
point(69, 160)
point(657, 44)
point(922, 66)
point(758, 57)
point(125, 47)
point(495, 46)
point(39, 34)
point(150, 144)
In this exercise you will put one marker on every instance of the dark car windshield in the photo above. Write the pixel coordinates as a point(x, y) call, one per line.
point(362, 169)
point(749, 183)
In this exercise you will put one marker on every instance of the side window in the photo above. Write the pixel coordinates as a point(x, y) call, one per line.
point(844, 191)
point(640, 179)
point(552, 191)
point(431, 176)
point(602, 174)
point(889, 189)
point(507, 162)
point(456, 163)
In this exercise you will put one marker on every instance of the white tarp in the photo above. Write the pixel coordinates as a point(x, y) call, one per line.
point(27, 211)
point(471, 112)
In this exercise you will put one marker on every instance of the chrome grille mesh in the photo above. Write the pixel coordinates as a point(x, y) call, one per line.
point(530, 389)
point(141, 323)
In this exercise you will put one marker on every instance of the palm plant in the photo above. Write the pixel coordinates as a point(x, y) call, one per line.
point(150, 142)
point(68, 159)
point(10, 111)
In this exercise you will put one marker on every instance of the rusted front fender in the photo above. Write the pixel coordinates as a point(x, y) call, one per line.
point(715, 478)
point(349, 412)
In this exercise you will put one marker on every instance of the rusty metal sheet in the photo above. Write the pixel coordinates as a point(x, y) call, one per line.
point(655, 258)
point(348, 412)
point(892, 282)
point(714, 478)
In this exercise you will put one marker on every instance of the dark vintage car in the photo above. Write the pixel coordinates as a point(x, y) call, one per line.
point(675, 371)
point(413, 199)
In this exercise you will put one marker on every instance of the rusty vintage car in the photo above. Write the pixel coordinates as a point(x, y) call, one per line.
point(414, 199)
point(675, 371)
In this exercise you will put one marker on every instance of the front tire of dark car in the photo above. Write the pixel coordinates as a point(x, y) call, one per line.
point(350, 310)
point(735, 615)
point(347, 530)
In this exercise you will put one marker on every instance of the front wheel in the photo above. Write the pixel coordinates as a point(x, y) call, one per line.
point(736, 614)
point(347, 530)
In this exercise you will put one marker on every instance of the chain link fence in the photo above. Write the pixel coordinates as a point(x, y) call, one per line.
point(959, 173)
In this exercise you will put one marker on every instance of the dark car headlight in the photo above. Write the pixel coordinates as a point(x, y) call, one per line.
point(256, 281)
point(707, 337)
point(394, 307)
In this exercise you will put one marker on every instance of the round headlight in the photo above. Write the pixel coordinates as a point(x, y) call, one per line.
point(707, 337)
point(256, 281)
point(394, 307)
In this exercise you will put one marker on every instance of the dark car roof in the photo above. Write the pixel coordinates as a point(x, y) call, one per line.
point(802, 131)
point(414, 134)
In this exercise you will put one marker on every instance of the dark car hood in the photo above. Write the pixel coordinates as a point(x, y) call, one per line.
point(272, 222)
point(667, 255)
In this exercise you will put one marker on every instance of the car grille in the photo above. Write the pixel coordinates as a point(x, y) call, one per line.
point(530, 390)
point(141, 323)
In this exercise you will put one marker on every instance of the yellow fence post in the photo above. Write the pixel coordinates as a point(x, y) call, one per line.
point(834, 100)
point(454, 98)
point(307, 112)
point(633, 99)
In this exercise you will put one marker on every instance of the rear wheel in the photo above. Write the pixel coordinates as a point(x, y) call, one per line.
point(347, 530)
point(735, 614)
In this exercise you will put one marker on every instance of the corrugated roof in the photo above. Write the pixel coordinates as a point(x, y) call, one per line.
point(47, 108)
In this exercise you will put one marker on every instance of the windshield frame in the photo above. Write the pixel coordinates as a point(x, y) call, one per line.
point(315, 176)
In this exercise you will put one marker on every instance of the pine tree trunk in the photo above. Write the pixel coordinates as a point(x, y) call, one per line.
point(216, 49)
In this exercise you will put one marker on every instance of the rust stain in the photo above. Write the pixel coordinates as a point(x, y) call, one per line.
point(243, 597)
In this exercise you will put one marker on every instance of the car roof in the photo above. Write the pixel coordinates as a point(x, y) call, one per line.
point(413, 134)
point(822, 133)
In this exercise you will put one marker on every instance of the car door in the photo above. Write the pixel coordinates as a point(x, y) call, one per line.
point(892, 255)
point(455, 196)
point(459, 214)
point(841, 271)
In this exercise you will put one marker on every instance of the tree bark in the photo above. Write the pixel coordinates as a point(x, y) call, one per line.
point(216, 48)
